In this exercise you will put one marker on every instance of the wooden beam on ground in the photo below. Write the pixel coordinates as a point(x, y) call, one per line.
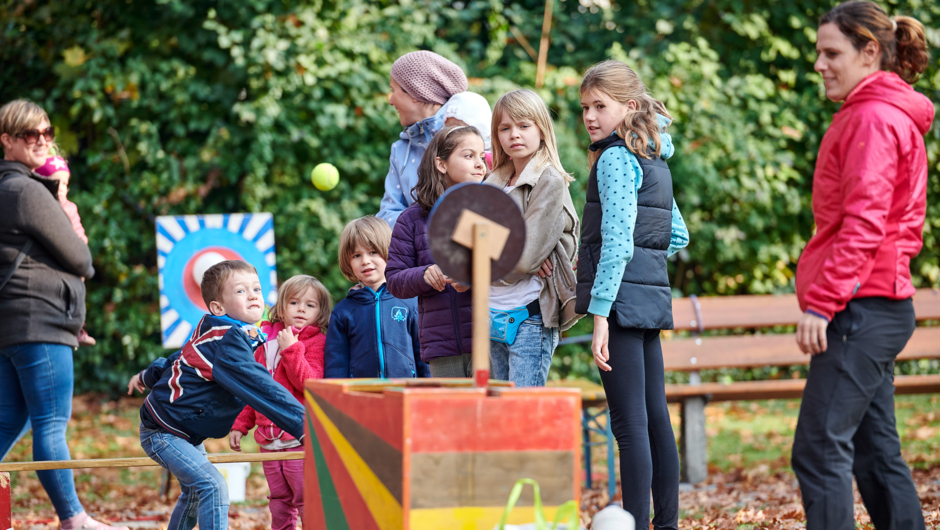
point(219, 458)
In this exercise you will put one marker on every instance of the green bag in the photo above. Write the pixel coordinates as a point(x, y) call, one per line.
point(568, 509)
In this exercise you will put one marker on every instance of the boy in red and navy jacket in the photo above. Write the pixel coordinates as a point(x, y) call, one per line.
point(198, 392)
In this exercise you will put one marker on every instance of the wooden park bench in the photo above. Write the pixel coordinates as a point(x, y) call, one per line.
point(759, 348)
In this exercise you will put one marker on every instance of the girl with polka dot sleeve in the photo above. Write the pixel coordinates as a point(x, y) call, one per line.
point(629, 227)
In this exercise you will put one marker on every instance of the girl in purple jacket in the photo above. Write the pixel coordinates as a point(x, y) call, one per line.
point(455, 155)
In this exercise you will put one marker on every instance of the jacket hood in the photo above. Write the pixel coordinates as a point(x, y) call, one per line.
point(889, 88)
point(365, 295)
point(422, 132)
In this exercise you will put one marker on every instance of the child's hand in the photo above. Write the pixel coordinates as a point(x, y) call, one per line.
point(135, 384)
point(286, 339)
point(235, 440)
point(459, 287)
point(546, 269)
point(435, 277)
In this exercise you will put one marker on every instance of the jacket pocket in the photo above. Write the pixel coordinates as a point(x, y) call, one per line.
point(72, 301)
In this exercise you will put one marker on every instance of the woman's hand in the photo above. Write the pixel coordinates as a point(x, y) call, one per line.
point(135, 384)
point(435, 278)
point(286, 339)
point(599, 343)
point(546, 269)
point(235, 440)
point(811, 334)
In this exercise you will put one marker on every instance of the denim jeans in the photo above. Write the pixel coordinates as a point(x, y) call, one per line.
point(36, 381)
point(527, 360)
point(204, 497)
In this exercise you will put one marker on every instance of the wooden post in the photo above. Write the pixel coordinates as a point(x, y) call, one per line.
point(481, 304)
point(543, 45)
point(6, 502)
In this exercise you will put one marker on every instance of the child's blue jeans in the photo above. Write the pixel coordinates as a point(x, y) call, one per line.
point(204, 497)
point(36, 381)
point(527, 360)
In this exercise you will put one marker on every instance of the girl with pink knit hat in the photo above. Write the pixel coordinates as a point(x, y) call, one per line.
point(421, 82)
point(56, 168)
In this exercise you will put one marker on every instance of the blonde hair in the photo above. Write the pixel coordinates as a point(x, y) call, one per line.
point(640, 127)
point(369, 232)
point(215, 276)
point(524, 104)
point(19, 115)
point(296, 286)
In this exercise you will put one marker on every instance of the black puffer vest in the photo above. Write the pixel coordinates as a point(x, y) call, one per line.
point(644, 300)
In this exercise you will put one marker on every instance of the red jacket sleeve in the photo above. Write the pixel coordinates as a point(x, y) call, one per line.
point(869, 161)
point(245, 421)
point(304, 360)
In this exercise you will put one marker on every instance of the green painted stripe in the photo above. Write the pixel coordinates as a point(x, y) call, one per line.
point(333, 514)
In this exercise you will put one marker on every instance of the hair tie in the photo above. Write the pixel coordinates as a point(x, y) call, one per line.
point(894, 24)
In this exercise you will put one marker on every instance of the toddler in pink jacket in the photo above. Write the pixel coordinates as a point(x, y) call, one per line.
point(56, 168)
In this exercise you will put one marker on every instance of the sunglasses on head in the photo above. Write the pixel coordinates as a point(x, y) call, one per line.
point(32, 135)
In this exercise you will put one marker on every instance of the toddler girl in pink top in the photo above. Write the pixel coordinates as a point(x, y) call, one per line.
point(56, 168)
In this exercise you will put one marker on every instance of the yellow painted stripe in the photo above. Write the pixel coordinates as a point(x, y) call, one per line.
point(472, 518)
point(382, 504)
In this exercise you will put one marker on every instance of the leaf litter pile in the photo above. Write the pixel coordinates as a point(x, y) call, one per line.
point(750, 483)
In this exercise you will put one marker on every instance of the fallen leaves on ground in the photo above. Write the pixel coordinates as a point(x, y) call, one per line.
point(760, 494)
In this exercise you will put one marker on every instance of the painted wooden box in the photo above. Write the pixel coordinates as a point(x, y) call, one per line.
point(435, 453)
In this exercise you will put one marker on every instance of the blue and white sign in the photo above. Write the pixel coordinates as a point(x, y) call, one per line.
point(187, 245)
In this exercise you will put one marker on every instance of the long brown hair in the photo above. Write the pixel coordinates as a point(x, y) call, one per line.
point(901, 39)
point(296, 286)
point(431, 182)
point(640, 127)
point(519, 105)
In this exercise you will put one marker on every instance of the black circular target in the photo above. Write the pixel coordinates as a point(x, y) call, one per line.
point(490, 202)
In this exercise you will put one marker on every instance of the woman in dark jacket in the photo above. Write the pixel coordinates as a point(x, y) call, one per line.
point(42, 305)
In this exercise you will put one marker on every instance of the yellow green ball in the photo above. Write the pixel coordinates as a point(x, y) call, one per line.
point(325, 176)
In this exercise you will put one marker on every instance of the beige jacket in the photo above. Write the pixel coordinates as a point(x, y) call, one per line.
point(552, 228)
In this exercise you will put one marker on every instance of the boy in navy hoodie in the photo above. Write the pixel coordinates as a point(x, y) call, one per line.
point(198, 392)
point(371, 333)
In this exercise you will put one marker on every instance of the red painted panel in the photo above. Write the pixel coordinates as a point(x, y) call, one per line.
point(6, 515)
point(354, 507)
point(380, 413)
point(523, 422)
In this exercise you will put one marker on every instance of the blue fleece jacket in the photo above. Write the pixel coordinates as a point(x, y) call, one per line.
point(619, 178)
point(374, 334)
point(403, 166)
point(199, 391)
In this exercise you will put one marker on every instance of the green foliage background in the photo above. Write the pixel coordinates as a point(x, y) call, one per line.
point(191, 106)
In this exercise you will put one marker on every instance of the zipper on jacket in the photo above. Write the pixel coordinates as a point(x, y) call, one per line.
point(378, 331)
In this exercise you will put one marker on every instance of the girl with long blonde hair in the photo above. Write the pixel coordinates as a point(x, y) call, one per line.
point(530, 305)
point(631, 225)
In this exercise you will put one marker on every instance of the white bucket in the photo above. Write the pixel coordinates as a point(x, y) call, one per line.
point(236, 474)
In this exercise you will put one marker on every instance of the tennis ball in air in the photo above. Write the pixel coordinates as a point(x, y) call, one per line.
point(325, 176)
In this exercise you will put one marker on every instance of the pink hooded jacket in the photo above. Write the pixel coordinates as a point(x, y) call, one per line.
point(869, 198)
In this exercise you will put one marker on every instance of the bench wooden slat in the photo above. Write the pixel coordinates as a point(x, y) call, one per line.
point(143, 461)
point(761, 311)
point(785, 389)
point(749, 351)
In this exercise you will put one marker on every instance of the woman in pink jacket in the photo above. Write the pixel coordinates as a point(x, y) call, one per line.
point(854, 279)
